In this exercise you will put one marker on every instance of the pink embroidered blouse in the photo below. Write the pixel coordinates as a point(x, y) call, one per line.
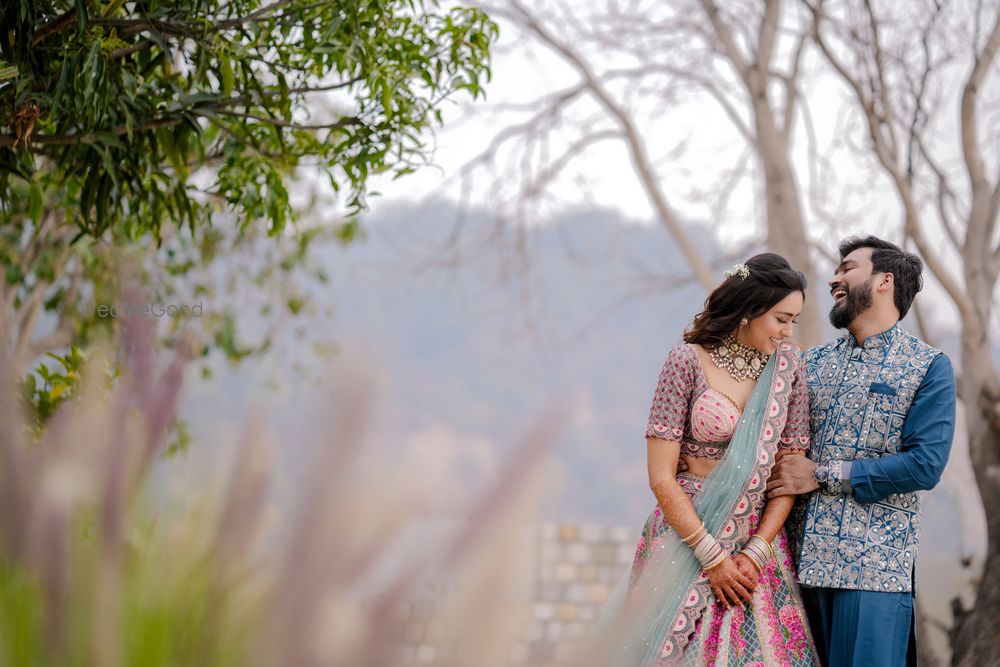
point(686, 409)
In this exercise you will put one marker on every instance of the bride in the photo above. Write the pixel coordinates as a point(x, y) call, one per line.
point(712, 581)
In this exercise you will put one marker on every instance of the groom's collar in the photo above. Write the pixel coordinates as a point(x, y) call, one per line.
point(876, 341)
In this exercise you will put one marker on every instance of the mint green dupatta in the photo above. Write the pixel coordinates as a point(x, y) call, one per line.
point(640, 614)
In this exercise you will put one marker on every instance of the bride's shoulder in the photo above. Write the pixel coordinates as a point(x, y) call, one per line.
point(682, 354)
point(790, 348)
point(793, 353)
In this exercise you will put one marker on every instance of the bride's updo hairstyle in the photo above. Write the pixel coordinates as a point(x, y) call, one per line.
point(749, 291)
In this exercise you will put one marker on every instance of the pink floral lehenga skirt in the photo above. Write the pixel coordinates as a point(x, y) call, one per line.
point(771, 631)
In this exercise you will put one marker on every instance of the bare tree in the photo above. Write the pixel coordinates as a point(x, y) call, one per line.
point(744, 56)
point(898, 62)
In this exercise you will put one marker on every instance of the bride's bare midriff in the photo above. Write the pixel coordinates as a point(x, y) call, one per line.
point(699, 466)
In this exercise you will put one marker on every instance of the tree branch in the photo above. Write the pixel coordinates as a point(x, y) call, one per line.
point(980, 227)
point(556, 166)
point(888, 115)
point(49, 219)
point(767, 37)
point(278, 122)
point(131, 27)
point(27, 315)
point(633, 141)
point(919, 115)
point(219, 107)
point(57, 24)
point(726, 39)
point(944, 193)
point(90, 137)
point(792, 90)
point(994, 213)
point(903, 187)
point(703, 82)
point(143, 45)
point(253, 16)
point(63, 334)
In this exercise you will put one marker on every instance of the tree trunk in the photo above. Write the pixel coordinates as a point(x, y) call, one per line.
point(785, 229)
point(926, 657)
point(975, 640)
point(786, 237)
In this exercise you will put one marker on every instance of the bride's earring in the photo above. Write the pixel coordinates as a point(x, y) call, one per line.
point(744, 322)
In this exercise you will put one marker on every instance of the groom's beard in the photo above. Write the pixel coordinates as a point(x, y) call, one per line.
point(857, 301)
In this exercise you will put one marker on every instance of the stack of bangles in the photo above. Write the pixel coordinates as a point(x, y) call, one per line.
point(758, 550)
point(708, 552)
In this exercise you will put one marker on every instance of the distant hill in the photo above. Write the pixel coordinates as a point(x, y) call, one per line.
point(481, 345)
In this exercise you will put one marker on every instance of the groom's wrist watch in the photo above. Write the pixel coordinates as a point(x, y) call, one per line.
point(832, 477)
point(822, 475)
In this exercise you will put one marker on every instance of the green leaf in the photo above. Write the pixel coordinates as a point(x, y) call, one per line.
point(112, 8)
point(36, 202)
point(81, 15)
point(226, 75)
point(197, 99)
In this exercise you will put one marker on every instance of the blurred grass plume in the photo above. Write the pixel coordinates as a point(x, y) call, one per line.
point(95, 571)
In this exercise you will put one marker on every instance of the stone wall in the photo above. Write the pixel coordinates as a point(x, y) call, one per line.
point(576, 568)
point(571, 572)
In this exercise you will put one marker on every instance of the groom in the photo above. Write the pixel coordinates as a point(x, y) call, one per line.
point(882, 417)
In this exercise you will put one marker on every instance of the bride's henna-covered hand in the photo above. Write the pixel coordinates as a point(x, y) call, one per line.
point(744, 565)
point(729, 584)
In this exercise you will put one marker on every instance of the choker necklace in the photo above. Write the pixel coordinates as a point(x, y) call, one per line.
point(742, 362)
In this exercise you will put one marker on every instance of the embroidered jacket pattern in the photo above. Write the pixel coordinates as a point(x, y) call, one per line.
point(859, 399)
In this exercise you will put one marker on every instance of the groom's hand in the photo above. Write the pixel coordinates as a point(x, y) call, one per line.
point(791, 476)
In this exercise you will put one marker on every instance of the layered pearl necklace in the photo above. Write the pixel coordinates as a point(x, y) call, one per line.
point(742, 362)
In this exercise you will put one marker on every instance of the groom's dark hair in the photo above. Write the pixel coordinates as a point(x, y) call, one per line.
point(905, 267)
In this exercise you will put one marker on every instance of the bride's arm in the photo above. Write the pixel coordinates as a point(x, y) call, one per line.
point(794, 441)
point(775, 512)
point(661, 463)
point(731, 584)
point(668, 416)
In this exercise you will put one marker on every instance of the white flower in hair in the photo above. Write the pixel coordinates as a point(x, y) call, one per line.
point(741, 270)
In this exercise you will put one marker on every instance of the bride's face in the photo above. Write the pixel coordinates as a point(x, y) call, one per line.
point(776, 325)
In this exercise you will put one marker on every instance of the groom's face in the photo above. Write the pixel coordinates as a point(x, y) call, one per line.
point(851, 287)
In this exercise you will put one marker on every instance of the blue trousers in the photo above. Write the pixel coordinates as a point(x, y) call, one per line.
point(862, 628)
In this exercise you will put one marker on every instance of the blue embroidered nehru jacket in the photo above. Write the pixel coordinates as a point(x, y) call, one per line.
point(882, 417)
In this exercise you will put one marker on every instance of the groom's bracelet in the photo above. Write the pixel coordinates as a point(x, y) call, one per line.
point(834, 477)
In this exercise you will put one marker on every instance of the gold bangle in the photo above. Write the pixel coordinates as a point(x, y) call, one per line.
point(756, 540)
point(756, 552)
point(753, 560)
point(717, 560)
point(690, 538)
